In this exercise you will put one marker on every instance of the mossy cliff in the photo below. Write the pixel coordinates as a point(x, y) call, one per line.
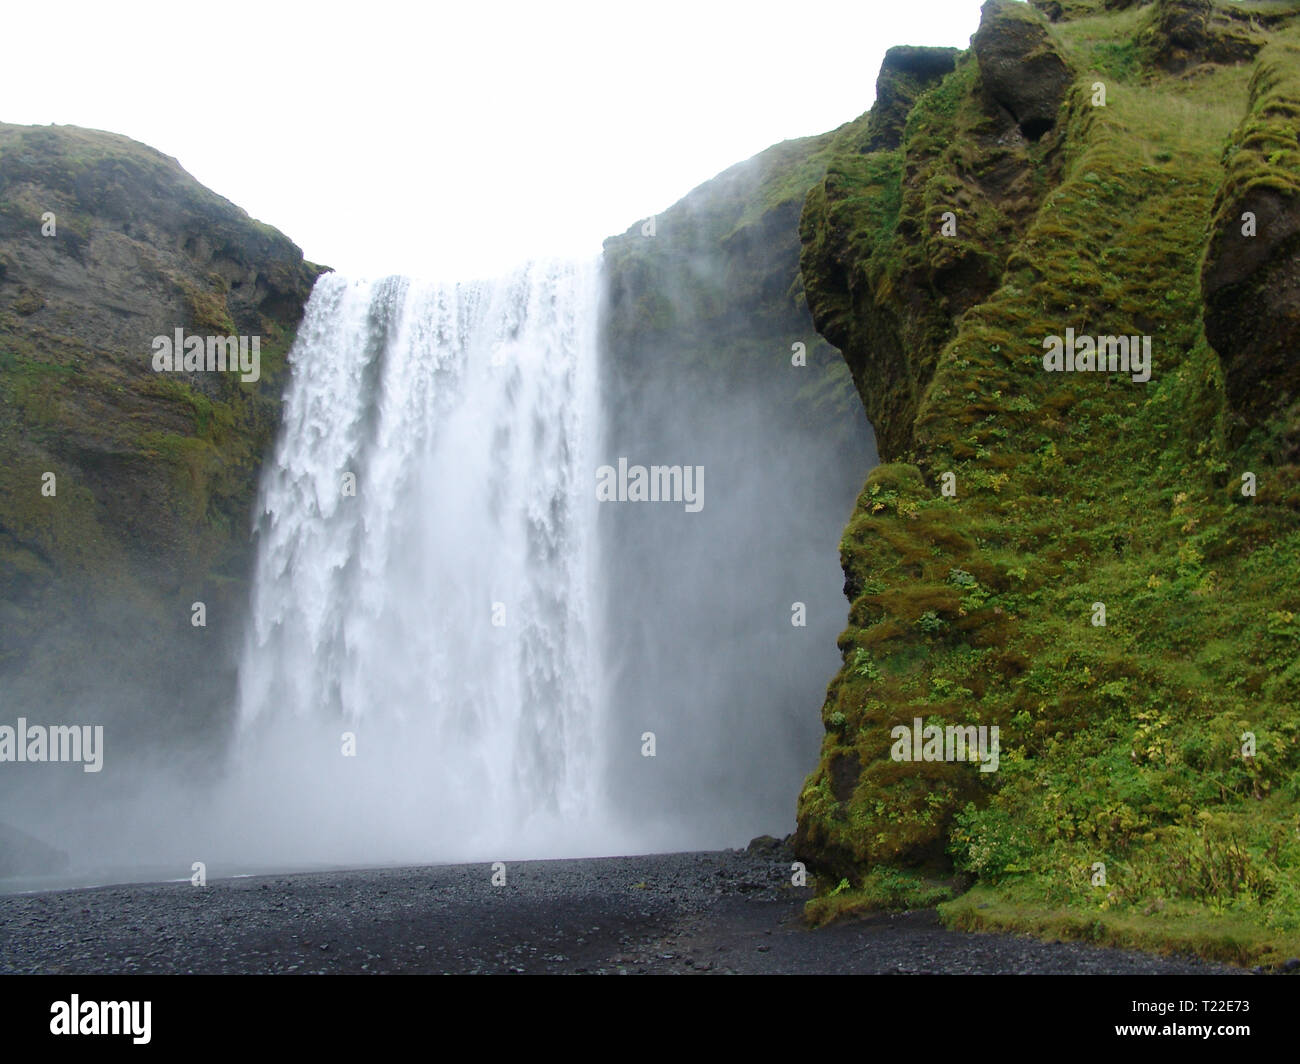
point(105, 244)
point(1101, 167)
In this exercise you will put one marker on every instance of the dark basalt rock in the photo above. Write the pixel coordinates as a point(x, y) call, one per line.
point(1250, 279)
point(1021, 69)
point(905, 73)
point(1186, 33)
point(1252, 303)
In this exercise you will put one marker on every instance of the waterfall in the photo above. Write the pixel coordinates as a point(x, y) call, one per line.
point(423, 593)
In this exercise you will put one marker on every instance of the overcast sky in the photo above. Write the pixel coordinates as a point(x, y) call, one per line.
point(457, 140)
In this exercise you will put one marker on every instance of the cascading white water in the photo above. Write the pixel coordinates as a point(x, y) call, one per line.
point(443, 615)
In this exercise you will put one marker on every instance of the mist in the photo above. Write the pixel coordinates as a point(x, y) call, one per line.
point(449, 650)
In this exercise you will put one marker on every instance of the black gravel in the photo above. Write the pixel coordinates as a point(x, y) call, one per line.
point(688, 913)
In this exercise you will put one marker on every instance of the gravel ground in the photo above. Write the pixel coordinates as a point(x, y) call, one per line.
point(687, 913)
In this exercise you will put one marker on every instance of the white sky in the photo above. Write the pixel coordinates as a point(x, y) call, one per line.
point(457, 140)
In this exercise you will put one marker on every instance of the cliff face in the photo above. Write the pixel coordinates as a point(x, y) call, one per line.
point(106, 244)
point(710, 359)
point(1101, 568)
point(870, 223)
point(711, 288)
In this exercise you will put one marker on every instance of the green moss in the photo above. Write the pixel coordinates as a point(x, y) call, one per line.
point(884, 890)
point(1263, 150)
point(1120, 744)
point(208, 310)
point(884, 269)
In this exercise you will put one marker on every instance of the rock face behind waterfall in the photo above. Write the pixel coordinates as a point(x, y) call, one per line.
point(155, 473)
point(711, 360)
point(22, 855)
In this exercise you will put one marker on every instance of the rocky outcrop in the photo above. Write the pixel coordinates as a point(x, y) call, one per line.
point(905, 73)
point(125, 493)
point(1251, 275)
point(898, 244)
point(1185, 33)
point(1021, 68)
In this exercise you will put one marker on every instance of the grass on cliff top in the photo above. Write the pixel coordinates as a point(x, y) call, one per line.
point(789, 170)
point(1121, 745)
point(67, 155)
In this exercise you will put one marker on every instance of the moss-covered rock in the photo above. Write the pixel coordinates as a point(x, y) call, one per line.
point(897, 245)
point(1016, 502)
point(905, 73)
point(1021, 68)
point(1251, 274)
point(107, 244)
point(1184, 33)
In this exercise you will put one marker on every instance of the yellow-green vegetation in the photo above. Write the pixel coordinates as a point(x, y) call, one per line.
point(881, 888)
point(1177, 927)
point(1164, 745)
point(1264, 152)
point(880, 213)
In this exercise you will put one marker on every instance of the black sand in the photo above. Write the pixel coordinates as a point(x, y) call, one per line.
point(690, 913)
